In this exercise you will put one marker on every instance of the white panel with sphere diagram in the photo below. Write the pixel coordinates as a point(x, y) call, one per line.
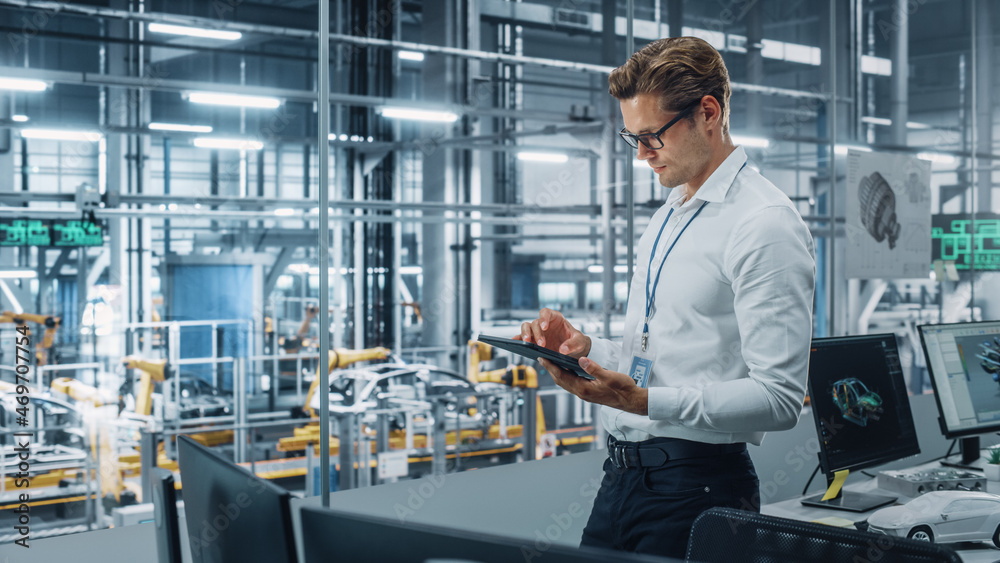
point(888, 216)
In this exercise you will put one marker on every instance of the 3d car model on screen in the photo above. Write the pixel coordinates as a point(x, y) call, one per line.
point(942, 516)
point(856, 403)
point(991, 357)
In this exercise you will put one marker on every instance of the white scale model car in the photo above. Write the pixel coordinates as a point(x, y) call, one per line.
point(942, 516)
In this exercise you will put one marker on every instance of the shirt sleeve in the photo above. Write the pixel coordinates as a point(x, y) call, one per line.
point(770, 260)
point(605, 352)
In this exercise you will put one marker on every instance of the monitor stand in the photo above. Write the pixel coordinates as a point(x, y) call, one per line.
point(850, 500)
point(970, 455)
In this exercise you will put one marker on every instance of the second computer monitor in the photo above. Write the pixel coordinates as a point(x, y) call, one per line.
point(963, 361)
point(861, 409)
point(232, 515)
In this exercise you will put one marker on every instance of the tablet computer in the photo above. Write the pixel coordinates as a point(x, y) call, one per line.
point(533, 351)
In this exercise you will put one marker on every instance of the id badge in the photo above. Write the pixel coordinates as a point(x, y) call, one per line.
point(640, 369)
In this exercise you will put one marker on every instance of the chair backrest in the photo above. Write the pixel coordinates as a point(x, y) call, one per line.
point(737, 536)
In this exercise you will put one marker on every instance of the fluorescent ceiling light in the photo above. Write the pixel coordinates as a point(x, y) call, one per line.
point(238, 100)
point(542, 157)
point(180, 127)
point(888, 122)
point(411, 55)
point(284, 212)
point(300, 268)
point(18, 274)
point(418, 114)
point(877, 120)
point(19, 118)
point(599, 269)
point(23, 84)
point(195, 31)
point(61, 135)
point(842, 149)
point(224, 143)
point(411, 270)
point(753, 142)
point(937, 157)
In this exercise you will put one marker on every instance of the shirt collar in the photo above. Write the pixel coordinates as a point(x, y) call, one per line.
point(717, 186)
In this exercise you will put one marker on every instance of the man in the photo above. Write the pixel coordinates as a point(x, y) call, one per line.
point(719, 318)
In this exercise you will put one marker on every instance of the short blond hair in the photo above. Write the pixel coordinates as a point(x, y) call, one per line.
point(679, 71)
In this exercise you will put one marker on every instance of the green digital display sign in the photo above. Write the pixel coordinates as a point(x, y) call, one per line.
point(25, 232)
point(952, 238)
point(50, 233)
point(77, 233)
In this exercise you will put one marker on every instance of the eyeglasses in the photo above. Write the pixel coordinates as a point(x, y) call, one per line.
point(652, 140)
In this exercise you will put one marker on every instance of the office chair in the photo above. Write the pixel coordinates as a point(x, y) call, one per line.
point(737, 536)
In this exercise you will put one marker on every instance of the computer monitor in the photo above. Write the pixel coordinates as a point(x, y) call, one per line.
point(331, 535)
point(963, 360)
point(232, 515)
point(168, 529)
point(861, 409)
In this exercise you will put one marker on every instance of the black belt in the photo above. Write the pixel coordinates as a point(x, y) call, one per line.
point(657, 451)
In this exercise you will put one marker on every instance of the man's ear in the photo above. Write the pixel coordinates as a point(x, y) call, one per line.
point(712, 110)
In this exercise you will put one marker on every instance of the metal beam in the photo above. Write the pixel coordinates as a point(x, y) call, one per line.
point(61, 261)
point(310, 35)
point(280, 263)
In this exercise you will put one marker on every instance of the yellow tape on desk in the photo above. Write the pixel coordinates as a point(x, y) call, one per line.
point(838, 481)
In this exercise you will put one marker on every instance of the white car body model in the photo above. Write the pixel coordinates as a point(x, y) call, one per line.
point(942, 516)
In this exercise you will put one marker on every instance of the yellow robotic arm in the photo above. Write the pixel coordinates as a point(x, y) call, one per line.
point(151, 369)
point(50, 323)
point(341, 358)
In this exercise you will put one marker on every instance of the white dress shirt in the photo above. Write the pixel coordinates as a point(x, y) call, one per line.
point(732, 315)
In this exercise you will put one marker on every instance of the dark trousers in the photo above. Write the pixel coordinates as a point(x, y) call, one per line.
point(651, 510)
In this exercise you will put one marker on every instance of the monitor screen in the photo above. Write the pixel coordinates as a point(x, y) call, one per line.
point(964, 364)
point(859, 402)
point(330, 535)
point(232, 515)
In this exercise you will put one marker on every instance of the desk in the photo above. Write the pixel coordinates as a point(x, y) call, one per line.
point(970, 552)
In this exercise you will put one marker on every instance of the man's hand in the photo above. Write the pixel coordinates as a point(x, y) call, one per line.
point(610, 388)
point(551, 330)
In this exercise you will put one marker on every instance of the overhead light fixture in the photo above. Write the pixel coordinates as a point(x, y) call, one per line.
point(155, 126)
point(411, 270)
point(599, 269)
point(236, 100)
point(300, 268)
point(418, 114)
point(227, 143)
point(937, 157)
point(23, 84)
point(842, 149)
point(542, 157)
point(877, 120)
point(62, 135)
point(19, 118)
point(284, 212)
point(18, 274)
point(888, 122)
point(411, 55)
point(752, 142)
point(194, 31)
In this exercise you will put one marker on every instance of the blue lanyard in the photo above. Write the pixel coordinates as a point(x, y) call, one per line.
point(656, 282)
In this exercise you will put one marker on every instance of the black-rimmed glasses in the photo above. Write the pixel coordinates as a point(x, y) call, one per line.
point(652, 140)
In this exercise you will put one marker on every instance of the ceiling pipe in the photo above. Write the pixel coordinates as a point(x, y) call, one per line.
point(310, 35)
